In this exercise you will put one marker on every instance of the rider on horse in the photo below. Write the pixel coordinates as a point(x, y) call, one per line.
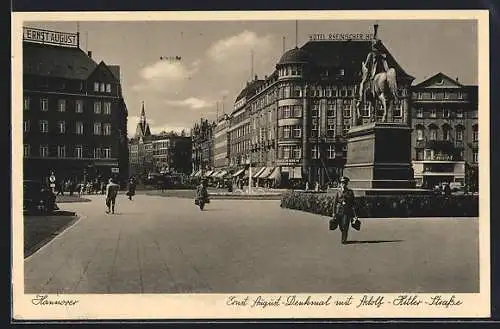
point(376, 62)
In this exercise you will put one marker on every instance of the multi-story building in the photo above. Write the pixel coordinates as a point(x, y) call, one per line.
point(74, 114)
point(445, 131)
point(202, 136)
point(292, 124)
point(163, 153)
point(221, 145)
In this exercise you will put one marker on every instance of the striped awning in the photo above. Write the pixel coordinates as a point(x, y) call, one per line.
point(275, 174)
point(266, 172)
point(208, 173)
point(198, 173)
point(258, 172)
point(221, 174)
point(239, 172)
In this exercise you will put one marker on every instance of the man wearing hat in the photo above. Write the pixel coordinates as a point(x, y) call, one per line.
point(343, 207)
point(111, 193)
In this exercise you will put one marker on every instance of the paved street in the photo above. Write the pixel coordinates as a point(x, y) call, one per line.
point(167, 245)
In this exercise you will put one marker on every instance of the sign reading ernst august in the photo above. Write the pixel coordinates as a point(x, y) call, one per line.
point(50, 37)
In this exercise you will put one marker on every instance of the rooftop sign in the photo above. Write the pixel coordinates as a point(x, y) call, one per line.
point(341, 36)
point(50, 37)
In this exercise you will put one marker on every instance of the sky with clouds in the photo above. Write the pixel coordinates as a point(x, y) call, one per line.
point(216, 58)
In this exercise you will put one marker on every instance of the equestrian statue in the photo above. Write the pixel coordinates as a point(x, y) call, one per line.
point(378, 82)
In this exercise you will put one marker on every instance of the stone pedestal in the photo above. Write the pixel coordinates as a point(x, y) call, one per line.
point(379, 158)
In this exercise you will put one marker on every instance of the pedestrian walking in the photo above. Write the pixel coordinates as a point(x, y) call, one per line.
point(343, 208)
point(131, 188)
point(202, 195)
point(111, 193)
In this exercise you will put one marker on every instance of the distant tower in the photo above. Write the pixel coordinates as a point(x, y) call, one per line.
point(142, 129)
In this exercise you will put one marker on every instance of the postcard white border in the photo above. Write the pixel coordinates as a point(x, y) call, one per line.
point(212, 306)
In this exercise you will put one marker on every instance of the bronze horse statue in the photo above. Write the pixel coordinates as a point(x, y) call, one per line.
point(383, 87)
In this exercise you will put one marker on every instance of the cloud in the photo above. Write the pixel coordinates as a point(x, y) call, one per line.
point(168, 128)
point(239, 47)
point(166, 76)
point(191, 102)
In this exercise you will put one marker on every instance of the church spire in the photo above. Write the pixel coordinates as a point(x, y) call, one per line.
point(143, 113)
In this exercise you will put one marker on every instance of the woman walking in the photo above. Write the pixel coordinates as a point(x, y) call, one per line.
point(131, 188)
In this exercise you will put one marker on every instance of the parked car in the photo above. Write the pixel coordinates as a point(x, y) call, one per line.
point(38, 197)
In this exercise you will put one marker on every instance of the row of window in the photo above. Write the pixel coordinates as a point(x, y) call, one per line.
point(290, 70)
point(432, 155)
point(443, 113)
point(447, 132)
point(62, 152)
point(99, 107)
point(99, 128)
point(102, 87)
point(428, 95)
point(295, 152)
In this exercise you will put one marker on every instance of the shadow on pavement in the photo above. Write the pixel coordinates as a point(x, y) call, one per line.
point(371, 241)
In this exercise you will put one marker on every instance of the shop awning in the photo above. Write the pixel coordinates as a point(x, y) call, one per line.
point(208, 173)
point(276, 173)
point(221, 174)
point(213, 174)
point(266, 172)
point(239, 172)
point(198, 173)
point(259, 171)
point(295, 173)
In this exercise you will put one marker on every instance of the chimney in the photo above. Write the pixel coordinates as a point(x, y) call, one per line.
point(256, 77)
point(456, 79)
point(89, 53)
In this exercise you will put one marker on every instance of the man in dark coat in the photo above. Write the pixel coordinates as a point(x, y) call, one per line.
point(343, 207)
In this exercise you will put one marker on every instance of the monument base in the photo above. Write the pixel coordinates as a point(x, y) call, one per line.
point(379, 157)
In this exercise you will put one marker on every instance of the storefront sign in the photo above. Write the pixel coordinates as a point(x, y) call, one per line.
point(115, 170)
point(285, 162)
point(50, 37)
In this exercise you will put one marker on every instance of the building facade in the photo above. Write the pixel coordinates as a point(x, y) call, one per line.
point(162, 153)
point(203, 150)
point(445, 135)
point(295, 120)
point(74, 114)
point(221, 144)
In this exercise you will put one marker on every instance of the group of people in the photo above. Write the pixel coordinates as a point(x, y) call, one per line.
point(112, 189)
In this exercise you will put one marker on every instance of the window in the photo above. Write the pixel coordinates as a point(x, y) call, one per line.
point(330, 129)
point(107, 152)
point(315, 111)
point(297, 132)
point(286, 152)
point(330, 108)
point(103, 88)
point(420, 134)
point(347, 111)
point(26, 150)
point(365, 111)
point(107, 129)
point(475, 156)
point(97, 128)
point(475, 134)
point(97, 153)
point(79, 106)
point(108, 87)
point(446, 113)
point(420, 112)
point(433, 113)
point(346, 126)
point(297, 91)
point(61, 151)
point(61, 105)
point(79, 128)
point(331, 151)
point(61, 127)
point(286, 132)
point(314, 152)
point(314, 129)
point(446, 134)
point(460, 134)
point(297, 111)
point(79, 151)
point(96, 86)
point(44, 104)
point(107, 108)
point(97, 107)
point(26, 103)
point(297, 152)
point(433, 134)
point(398, 111)
point(44, 126)
point(26, 126)
point(44, 151)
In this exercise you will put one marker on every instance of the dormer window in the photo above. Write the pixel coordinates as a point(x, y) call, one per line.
point(96, 86)
point(341, 72)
